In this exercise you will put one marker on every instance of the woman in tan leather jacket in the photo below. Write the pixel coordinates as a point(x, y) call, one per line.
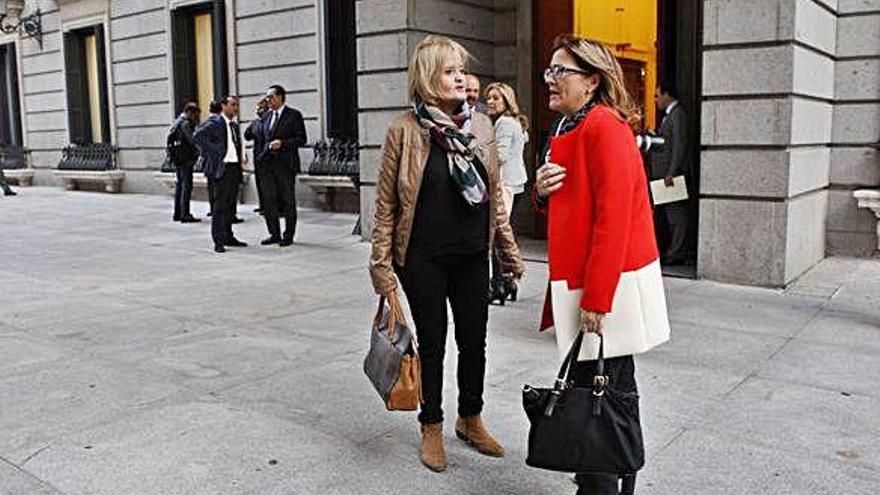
point(438, 209)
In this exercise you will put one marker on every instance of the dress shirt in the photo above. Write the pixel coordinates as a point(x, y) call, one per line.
point(231, 148)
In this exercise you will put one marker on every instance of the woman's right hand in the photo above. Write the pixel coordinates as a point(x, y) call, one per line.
point(549, 179)
point(394, 304)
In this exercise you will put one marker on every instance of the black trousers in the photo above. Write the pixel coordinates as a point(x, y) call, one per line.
point(673, 219)
point(223, 208)
point(428, 284)
point(211, 182)
point(183, 191)
point(258, 174)
point(279, 199)
point(622, 373)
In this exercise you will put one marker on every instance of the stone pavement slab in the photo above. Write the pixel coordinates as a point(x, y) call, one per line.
point(134, 360)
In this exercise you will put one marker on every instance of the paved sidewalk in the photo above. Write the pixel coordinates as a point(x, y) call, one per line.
point(134, 360)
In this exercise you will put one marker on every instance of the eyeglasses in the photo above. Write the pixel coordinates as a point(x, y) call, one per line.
point(558, 72)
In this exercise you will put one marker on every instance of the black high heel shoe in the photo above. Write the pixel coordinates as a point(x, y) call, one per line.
point(497, 292)
point(511, 289)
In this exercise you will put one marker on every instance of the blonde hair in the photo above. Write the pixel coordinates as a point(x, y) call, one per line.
point(508, 94)
point(426, 64)
point(595, 58)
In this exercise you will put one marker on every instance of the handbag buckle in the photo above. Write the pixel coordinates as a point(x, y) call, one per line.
point(600, 384)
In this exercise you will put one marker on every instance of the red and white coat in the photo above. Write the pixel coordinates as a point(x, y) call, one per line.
point(601, 246)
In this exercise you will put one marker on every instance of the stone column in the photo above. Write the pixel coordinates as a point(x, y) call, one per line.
point(855, 159)
point(768, 93)
point(388, 32)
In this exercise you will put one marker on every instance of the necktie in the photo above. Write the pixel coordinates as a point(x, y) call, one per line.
point(273, 122)
point(236, 139)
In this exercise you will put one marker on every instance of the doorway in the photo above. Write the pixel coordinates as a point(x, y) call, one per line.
point(10, 113)
point(654, 40)
point(200, 65)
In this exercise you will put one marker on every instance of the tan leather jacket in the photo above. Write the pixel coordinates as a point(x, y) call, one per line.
point(404, 156)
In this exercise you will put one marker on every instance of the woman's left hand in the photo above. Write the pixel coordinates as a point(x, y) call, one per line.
point(591, 322)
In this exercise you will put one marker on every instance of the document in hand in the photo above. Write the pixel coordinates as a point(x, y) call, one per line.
point(663, 194)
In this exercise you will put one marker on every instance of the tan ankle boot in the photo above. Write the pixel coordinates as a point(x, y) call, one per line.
point(433, 450)
point(472, 431)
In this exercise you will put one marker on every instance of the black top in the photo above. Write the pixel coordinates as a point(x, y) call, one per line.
point(444, 223)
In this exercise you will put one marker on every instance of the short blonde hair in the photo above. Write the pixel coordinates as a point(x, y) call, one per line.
point(426, 64)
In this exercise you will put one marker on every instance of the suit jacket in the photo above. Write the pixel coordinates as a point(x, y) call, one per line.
point(211, 138)
point(673, 159)
point(255, 133)
point(291, 130)
point(190, 150)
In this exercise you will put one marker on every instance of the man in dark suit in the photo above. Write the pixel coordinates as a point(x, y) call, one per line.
point(183, 153)
point(214, 108)
point(283, 132)
point(671, 161)
point(254, 132)
point(219, 139)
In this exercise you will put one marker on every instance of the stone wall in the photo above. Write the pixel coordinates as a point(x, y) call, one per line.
point(43, 89)
point(856, 126)
point(270, 41)
point(768, 101)
point(388, 32)
point(140, 44)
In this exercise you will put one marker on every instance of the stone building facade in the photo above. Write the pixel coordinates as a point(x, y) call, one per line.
point(789, 99)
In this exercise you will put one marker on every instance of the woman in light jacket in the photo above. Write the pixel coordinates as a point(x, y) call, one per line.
point(604, 269)
point(511, 128)
point(438, 208)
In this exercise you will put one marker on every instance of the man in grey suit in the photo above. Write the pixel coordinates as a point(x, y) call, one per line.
point(669, 162)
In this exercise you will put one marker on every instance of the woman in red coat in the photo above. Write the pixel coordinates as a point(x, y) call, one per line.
point(604, 269)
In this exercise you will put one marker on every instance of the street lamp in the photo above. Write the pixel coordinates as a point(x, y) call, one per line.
point(11, 20)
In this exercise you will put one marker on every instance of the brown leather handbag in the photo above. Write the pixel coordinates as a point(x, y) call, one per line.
point(392, 364)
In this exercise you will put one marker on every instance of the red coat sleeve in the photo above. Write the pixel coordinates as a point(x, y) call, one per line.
point(611, 177)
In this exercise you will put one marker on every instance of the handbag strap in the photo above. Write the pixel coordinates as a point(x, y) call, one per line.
point(395, 313)
point(566, 372)
point(392, 317)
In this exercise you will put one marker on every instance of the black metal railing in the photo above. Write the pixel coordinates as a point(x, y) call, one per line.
point(336, 157)
point(93, 156)
point(13, 157)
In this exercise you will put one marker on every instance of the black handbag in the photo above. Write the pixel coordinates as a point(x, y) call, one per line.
point(576, 429)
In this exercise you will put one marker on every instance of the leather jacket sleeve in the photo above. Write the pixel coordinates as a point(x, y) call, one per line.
point(381, 269)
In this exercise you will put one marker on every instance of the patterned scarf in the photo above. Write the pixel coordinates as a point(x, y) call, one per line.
point(454, 136)
point(569, 123)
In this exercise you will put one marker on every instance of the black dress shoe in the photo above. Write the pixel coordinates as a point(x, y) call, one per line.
point(175, 219)
point(270, 241)
point(286, 242)
point(237, 220)
point(10, 192)
point(190, 219)
point(235, 243)
point(218, 248)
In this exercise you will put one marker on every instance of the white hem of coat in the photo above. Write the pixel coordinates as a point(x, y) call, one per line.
point(637, 323)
